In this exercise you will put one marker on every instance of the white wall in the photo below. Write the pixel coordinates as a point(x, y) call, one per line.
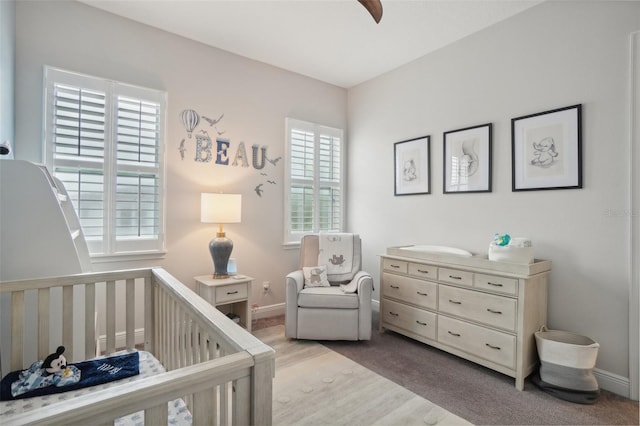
point(7, 67)
point(553, 55)
point(255, 99)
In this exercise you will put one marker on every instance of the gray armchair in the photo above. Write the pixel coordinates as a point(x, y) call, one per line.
point(341, 311)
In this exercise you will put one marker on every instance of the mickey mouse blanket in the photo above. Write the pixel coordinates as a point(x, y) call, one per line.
point(36, 382)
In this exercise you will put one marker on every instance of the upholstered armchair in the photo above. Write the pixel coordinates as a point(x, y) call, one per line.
point(329, 303)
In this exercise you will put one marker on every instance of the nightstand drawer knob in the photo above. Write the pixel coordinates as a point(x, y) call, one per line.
point(232, 292)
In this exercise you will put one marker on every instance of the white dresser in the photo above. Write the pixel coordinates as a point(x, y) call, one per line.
point(481, 310)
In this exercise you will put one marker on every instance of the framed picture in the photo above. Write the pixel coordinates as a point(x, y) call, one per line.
point(546, 150)
point(467, 160)
point(412, 161)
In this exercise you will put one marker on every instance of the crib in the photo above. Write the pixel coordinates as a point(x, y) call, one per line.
point(222, 372)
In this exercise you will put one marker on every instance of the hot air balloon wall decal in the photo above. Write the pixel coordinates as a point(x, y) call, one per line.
point(217, 150)
point(190, 119)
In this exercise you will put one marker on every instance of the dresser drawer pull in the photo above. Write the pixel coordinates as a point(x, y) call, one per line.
point(393, 314)
point(421, 323)
point(454, 334)
point(422, 294)
point(394, 286)
point(232, 292)
point(423, 271)
point(494, 312)
point(395, 266)
point(493, 347)
point(453, 277)
point(455, 302)
point(494, 284)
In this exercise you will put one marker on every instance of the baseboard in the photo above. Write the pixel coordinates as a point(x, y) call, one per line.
point(613, 382)
point(268, 311)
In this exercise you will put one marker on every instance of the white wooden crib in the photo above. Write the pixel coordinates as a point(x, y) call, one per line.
point(222, 372)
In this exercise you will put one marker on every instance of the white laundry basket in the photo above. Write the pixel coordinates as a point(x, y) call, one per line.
point(566, 365)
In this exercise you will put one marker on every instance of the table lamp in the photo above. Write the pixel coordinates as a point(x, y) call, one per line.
point(220, 209)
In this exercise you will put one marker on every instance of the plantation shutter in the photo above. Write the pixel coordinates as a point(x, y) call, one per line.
point(104, 141)
point(314, 201)
point(138, 158)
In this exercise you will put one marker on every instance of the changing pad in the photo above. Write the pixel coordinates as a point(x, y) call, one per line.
point(438, 249)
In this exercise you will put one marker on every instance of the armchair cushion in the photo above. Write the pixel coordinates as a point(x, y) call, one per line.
point(315, 276)
point(327, 297)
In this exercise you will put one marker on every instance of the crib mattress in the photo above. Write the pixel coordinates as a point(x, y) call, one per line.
point(178, 412)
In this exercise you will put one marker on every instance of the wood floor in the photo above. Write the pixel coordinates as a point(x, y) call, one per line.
point(315, 385)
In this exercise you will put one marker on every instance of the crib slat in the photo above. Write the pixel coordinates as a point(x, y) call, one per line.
point(17, 331)
point(90, 317)
point(224, 404)
point(111, 316)
point(43, 323)
point(242, 401)
point(156, 415)
point(67, 322)
point(204, 408)
point(172, 335)
point(151, 316)
point(130, 304)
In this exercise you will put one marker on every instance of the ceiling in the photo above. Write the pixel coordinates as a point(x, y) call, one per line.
point(335, 41)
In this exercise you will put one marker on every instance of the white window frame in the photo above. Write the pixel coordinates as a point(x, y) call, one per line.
point(292, 238)
point(110, 247)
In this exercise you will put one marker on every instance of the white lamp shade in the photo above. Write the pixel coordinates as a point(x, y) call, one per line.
point(220, 208)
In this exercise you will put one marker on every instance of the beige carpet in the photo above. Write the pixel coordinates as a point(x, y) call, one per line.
point(316, 386)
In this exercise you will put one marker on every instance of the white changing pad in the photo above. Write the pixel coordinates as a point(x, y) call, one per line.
point(437, 249)
point(149, 366)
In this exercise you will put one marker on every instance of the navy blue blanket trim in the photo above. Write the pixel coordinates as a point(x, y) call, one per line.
point(94, 372)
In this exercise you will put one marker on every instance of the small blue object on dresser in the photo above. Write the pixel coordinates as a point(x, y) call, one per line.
point(503, 248)
point(53, 375)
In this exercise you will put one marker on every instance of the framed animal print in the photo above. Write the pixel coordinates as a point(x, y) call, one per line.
point(412, 161)
point(546, 150)
point(467, 160)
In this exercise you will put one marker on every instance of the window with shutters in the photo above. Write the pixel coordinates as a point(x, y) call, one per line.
point(105, 141)
point(314, 199)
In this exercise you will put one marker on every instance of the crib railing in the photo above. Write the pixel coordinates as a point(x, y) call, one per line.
point(223, 372)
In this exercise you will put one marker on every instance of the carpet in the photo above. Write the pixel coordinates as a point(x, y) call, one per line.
point(314, 385)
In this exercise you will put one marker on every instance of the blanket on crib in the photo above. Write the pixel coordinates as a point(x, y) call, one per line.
point(31, 382)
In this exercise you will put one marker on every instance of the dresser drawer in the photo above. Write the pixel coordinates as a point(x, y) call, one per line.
point(497, 284)
point(408, 318)
point(455, 276)
point(231, 292)
point(423, 271)
point(394, 265)
point(411, 290)
point(491, 345)
point(497, 311)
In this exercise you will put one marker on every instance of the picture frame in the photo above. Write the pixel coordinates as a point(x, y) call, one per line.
point(467, 159)
point(412, 160)
point(546, 150)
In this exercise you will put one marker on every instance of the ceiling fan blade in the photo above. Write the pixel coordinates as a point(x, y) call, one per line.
point(374, 7)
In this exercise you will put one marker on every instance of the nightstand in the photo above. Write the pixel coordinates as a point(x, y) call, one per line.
point(229, 295)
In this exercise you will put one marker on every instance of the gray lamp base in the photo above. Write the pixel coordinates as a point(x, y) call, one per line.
point(220, 249)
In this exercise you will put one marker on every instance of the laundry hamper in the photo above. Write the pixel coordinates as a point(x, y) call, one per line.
point(566, 365)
